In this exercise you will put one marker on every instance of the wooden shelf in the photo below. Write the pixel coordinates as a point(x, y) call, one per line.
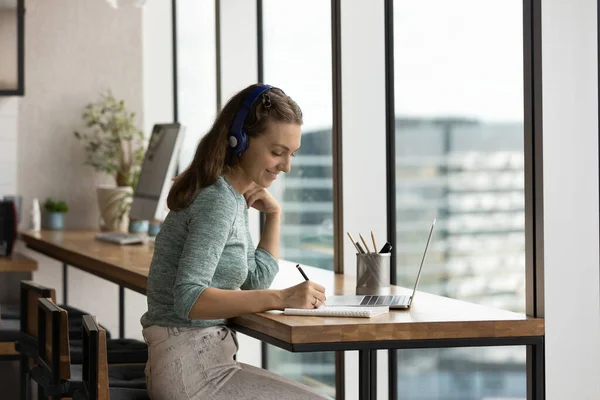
point(8, 349)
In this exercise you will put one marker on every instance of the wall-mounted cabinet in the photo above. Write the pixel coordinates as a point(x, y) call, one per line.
point(12, 47)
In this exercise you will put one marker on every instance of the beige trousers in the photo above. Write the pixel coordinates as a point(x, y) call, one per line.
point(197, 363)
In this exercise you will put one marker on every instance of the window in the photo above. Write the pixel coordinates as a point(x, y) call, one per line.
point(297, 59)
point(196, 73)
point(460, 157)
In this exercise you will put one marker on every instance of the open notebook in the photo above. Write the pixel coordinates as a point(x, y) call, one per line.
point(324, 311)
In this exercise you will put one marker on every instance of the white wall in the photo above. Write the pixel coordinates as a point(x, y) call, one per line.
point(73, 50)
point(239, 59)
point(570, 123)
point(157, 99)
point(8, 145)
point(157, 63)
point(67, 63)
point(196, 73)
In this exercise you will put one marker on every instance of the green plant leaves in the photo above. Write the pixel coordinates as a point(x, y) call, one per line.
point(113, 143)
point(55, 206)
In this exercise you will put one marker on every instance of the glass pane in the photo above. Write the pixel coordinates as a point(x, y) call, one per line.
point(297, 58)
point(459, 157)
point(8, 45)
point(196, 73)
point(476, 373)
point(316, 370)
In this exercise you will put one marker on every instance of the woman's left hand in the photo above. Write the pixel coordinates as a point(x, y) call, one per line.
point(259, 198)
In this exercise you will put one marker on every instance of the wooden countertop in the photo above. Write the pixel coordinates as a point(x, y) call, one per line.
point(125, 265)
point(430, 316)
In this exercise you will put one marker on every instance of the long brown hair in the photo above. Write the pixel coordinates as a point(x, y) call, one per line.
point(213, 156)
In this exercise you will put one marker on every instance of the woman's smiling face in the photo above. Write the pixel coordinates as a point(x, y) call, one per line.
point(271, 153)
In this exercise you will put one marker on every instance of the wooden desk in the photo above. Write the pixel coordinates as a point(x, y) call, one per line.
point(124, 265)
point(432, 321)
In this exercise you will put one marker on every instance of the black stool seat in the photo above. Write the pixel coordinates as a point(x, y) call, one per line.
point(127, 376)
point(75, 321)
point(118, 394)
point(128, 394)
point(119, 351)
point(10, 311)
point(121, 376)
point(10, 330)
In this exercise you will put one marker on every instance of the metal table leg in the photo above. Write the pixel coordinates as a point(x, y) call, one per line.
point(373, 377)
point(367, 374)
point(536, 384)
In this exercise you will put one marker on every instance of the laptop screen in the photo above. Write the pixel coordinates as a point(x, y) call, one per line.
point(423, 259)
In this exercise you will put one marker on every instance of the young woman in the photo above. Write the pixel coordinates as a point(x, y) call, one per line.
point(204, 254)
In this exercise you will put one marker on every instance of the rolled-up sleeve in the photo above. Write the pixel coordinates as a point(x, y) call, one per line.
point(209, 222)
point(262, 267)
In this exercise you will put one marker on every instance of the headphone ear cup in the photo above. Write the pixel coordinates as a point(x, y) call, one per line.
point(243, 142)
point(238, 142)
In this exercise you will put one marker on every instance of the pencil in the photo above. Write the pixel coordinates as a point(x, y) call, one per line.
point(302, 272)
point(353, 242)
point(365, 243)
point(374, 244)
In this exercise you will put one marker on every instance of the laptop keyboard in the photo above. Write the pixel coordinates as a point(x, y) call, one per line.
point(383, 300)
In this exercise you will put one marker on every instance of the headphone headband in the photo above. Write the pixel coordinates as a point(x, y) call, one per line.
point(238, 140)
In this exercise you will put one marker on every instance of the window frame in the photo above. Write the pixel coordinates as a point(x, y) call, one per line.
point(533, 140)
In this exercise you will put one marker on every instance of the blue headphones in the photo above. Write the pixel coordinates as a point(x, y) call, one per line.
point(238, 140)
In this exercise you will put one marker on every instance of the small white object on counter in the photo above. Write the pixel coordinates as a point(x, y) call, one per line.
point(36, 217)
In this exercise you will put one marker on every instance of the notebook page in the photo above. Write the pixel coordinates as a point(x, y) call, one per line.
point(352, 312)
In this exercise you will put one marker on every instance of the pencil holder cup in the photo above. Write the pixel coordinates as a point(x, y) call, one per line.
point(373, 273)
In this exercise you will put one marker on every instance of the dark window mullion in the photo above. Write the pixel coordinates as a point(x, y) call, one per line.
point(390, 125)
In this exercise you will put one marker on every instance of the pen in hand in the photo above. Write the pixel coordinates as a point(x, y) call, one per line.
point(302, 272)
point(312, 287)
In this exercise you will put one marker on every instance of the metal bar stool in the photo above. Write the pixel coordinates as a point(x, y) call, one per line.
point(55, 375)
point(95, 376)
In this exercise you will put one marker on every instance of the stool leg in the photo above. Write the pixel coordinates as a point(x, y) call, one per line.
point(121, 312)
point(65, 277)
point(40, 392)
point(23, 377)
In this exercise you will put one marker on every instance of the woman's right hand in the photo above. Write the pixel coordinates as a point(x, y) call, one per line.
point(304, 295)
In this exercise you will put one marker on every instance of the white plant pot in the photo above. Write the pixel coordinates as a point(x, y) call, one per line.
point(114, 204)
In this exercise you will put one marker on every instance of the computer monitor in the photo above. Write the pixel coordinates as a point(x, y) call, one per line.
point(158, 169)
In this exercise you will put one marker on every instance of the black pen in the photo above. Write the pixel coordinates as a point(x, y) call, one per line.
point(302, 272)
point(387, 248)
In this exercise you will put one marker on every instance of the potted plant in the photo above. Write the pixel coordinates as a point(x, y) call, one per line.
point(114, 145)
point(55, 211)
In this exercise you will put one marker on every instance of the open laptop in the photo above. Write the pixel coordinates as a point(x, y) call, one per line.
point(393, 301)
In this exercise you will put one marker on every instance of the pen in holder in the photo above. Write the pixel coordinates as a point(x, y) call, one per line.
point(373, 273)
